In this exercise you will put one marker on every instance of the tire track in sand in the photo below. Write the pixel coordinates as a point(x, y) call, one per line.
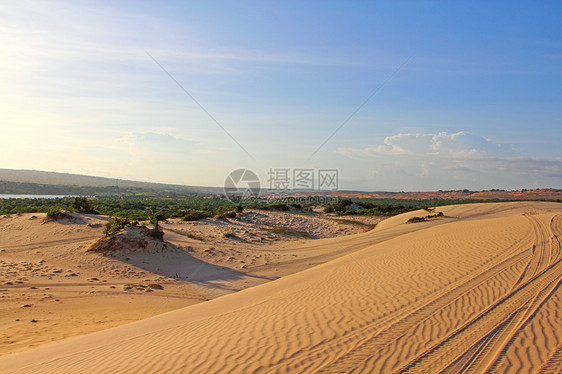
point(539, 250)
point(484, 339)
point(379, 338)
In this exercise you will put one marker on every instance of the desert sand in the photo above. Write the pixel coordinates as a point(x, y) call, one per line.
point(52, 287)
point(477, 290)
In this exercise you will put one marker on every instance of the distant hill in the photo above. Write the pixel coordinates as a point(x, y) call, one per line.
point(45, 182)
point(536, 194)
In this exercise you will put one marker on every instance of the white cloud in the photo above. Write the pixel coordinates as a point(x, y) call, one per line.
point(456, 156)
point(460, 144)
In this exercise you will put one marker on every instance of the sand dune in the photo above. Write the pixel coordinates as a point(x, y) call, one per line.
point(475, 291)
point(53, 287)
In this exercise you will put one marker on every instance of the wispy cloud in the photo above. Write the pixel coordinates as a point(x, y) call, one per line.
point(459, 155)
point(457, 145)
point(42, 36)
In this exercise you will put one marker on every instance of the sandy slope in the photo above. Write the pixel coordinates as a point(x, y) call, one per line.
point(52, 288)
point(475, 291)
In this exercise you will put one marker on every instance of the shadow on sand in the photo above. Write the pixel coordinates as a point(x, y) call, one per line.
point(177, 263)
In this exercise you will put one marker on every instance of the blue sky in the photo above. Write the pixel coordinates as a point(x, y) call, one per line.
point(476, 103)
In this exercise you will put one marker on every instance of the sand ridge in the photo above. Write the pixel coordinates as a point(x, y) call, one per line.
point(475, 291)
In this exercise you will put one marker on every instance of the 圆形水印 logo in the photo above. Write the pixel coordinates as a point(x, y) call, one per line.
point(242, 184)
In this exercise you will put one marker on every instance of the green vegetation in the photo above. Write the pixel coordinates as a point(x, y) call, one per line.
point(81, 205)
point(339, 207)
point(134, 208)
point(115, 224)
point(194, 215)
point(119, 223)
point(350, 207)
point(277, 206)
point(16, 206)
point(193, 208)
point(155, 219)
point(144, 208)
point(56, 214)
point(416, 220)
point(423, 219)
